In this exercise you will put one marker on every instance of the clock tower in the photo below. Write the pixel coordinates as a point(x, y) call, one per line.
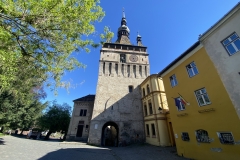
point(117, 117)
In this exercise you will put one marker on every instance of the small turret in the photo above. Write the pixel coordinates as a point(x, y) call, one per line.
point(139, 40)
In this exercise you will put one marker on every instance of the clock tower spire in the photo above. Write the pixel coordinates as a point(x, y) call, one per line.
point(123, 32)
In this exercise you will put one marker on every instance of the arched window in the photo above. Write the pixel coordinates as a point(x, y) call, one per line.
point(202, 136)
point(143, 92)
point(148, 89)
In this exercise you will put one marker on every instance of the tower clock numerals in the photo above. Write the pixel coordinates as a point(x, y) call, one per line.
point(133, 58)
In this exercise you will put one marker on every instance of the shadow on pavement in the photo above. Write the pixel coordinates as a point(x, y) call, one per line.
point(2, 142)
point(80, 154)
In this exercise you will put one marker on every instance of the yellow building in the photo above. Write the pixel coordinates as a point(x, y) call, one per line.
point(156, 116)
point(205, 123)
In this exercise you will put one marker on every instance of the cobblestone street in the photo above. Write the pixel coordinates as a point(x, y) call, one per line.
point(28, 149)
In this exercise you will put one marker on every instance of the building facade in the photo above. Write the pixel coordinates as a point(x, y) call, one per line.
point(117, 114)
point(222, 44)
point(205, 123)
point(157, 121)
point(79, 124)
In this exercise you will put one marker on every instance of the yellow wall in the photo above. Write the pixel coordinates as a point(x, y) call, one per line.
point(224, 118)
point(158, 118)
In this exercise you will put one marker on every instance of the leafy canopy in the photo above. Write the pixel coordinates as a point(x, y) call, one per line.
point(57, 117)
point(40, 36)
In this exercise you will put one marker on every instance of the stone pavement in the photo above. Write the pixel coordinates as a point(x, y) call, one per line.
point(28, 149)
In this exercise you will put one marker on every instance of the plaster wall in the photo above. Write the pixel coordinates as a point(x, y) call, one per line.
point(222, 118)
point(228, 67)
point(73, 126)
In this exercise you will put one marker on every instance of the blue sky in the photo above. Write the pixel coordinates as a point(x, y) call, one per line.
point(167, 27)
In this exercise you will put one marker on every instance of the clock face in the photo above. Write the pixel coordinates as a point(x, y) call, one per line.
point(133, 58)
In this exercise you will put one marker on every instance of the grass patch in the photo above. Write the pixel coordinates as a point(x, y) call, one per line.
point(1, 134)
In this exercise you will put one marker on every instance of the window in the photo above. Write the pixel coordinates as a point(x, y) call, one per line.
point(147, 128)
point(202, 136)
point(202, 97)
point(145, 109)
point(232, 44)
point(153, 130)
point(225, 137)
point(130, 88)
point(83, 112)
point(185, 136)
point(180, 106)
point(122, 58)
point(192, 69)
point(150, 108)
point(86, 126)
point(143, 92)
point(148, 89)
point(173, 80)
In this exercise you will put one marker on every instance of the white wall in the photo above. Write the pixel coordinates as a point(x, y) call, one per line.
point(228, 67)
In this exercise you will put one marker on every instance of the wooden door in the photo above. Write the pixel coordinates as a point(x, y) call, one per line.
point(80, 130)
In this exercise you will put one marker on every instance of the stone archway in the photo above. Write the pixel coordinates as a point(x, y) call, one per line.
point(110, 132)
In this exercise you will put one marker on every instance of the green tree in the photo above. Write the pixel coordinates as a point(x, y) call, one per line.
point(56, 118)
point(20, 111)
point(42, 35)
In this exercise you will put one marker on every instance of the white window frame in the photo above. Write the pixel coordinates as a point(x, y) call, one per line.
point(173, 80)
point(224, 140)
point(190, 67)
point(202, 95)
point(231, 42)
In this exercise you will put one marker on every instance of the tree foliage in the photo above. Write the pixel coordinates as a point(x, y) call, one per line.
point(19, 111)
point(107, 36)
point(56, 118)
point(41, 36)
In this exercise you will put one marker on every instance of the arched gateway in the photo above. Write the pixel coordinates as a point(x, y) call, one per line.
point(110, 132)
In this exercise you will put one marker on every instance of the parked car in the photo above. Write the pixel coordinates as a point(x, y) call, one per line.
point(34, 134)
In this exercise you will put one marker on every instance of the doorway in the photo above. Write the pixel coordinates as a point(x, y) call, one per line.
point(110, 134)
point(80, 129)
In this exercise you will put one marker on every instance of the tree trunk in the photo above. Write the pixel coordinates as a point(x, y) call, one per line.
point(2, 129)
point(22, 131)
point(65, 135)
point(48, 135)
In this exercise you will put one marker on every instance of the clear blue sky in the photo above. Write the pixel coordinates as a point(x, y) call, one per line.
point(168, 28)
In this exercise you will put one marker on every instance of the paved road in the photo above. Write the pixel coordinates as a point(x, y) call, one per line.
point(27, 149)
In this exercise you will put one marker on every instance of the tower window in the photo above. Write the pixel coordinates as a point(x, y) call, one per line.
point(104, 68)
point(143, 92)
point(122, 58)
point(148, 89)
point(130, 88)
point(83, 112)
point(153, 130)
point(150, 108)
point(147, 128)
point(110, 69)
